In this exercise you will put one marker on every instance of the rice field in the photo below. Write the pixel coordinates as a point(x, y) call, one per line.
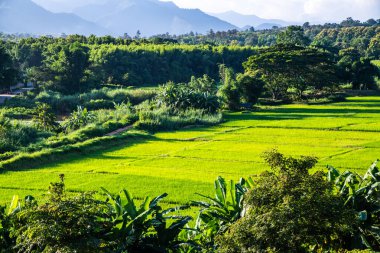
point(182, 163)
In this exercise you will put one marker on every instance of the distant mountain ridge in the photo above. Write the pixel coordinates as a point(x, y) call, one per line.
point(25, 16)
point(150, 17)
point(241, 20)
point(117, 17)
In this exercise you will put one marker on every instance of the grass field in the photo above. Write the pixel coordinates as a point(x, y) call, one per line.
point(346, 135)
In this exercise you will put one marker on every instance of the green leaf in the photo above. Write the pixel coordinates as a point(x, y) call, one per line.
point(233, 192)
point(155, 201)
point(332, 173)
point(220, 190)
point(130, 207)
point(15, 204)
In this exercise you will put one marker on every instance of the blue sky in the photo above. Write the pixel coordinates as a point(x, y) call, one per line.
point(292, 10)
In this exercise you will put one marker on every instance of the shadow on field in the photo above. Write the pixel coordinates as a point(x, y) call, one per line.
point(301, 113)
point(101, 151)
point(96, 152)
point(357, 103)
point(239, 117)
point(333, 111)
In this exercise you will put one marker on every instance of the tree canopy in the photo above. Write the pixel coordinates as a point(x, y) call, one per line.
point(289, 66)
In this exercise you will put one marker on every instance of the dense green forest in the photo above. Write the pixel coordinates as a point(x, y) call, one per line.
point(76, 63)
point(69, 66)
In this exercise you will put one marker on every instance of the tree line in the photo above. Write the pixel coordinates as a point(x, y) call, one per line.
point(363, 36)
point(75, 64)
point(71, 66)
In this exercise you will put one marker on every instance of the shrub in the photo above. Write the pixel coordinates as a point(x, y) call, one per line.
point(290, 210)
point(79, 118)
point(6, 155)
point(17, 112)
point(135, 97)
point(99, 104)
point(155, 119)
point(44, 118)
point(15, 136)
point(229, 92)
point(57, 101)
point(19, 101)
point(61, 224)
point(197, 94)
point(338, 97)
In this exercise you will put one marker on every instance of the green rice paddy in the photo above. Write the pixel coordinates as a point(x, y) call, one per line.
point(345, 135)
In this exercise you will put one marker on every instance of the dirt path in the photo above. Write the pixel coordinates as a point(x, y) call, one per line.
point(120, 130)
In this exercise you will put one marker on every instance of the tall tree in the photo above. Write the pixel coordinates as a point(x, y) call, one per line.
point(293, 35)
point(251, 86)
point(228, 91)
point(44, 118)
point(374, 47)
point(357, 70)
point(285, 66)
point(8, 74)
point(65, 66)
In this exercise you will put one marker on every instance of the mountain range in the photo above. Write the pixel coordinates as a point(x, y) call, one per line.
point(24, 16)
point(150, 17)
point(117, 17)
point(246, 21)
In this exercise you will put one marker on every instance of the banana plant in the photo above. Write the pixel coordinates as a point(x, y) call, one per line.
point(16, 207)
point(362, 193)
point(167, 228)
point(128, 219)
point(219, 212)
point(147, 227)
point(78, 118)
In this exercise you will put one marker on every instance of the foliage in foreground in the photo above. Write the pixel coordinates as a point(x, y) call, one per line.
point(82, 223)
point(286, 209)
point(361, 193)
point(290, 210)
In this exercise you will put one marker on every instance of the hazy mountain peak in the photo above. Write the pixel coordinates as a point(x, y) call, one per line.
point(150, 17)
point(25, 16)
point(244, 20)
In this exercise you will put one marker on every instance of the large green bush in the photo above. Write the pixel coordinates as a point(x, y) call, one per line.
point(14, 136)
point(290, 210)
point(60, 224)
point(199, 93)
point(166, 118)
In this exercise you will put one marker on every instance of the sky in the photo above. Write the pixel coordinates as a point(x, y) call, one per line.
point(290, 10)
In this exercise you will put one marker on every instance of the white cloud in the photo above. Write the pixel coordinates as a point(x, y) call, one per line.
point(340, 9)
point(293, 10)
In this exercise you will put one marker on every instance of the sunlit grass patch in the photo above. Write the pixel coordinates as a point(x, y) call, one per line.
point(183, 162)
